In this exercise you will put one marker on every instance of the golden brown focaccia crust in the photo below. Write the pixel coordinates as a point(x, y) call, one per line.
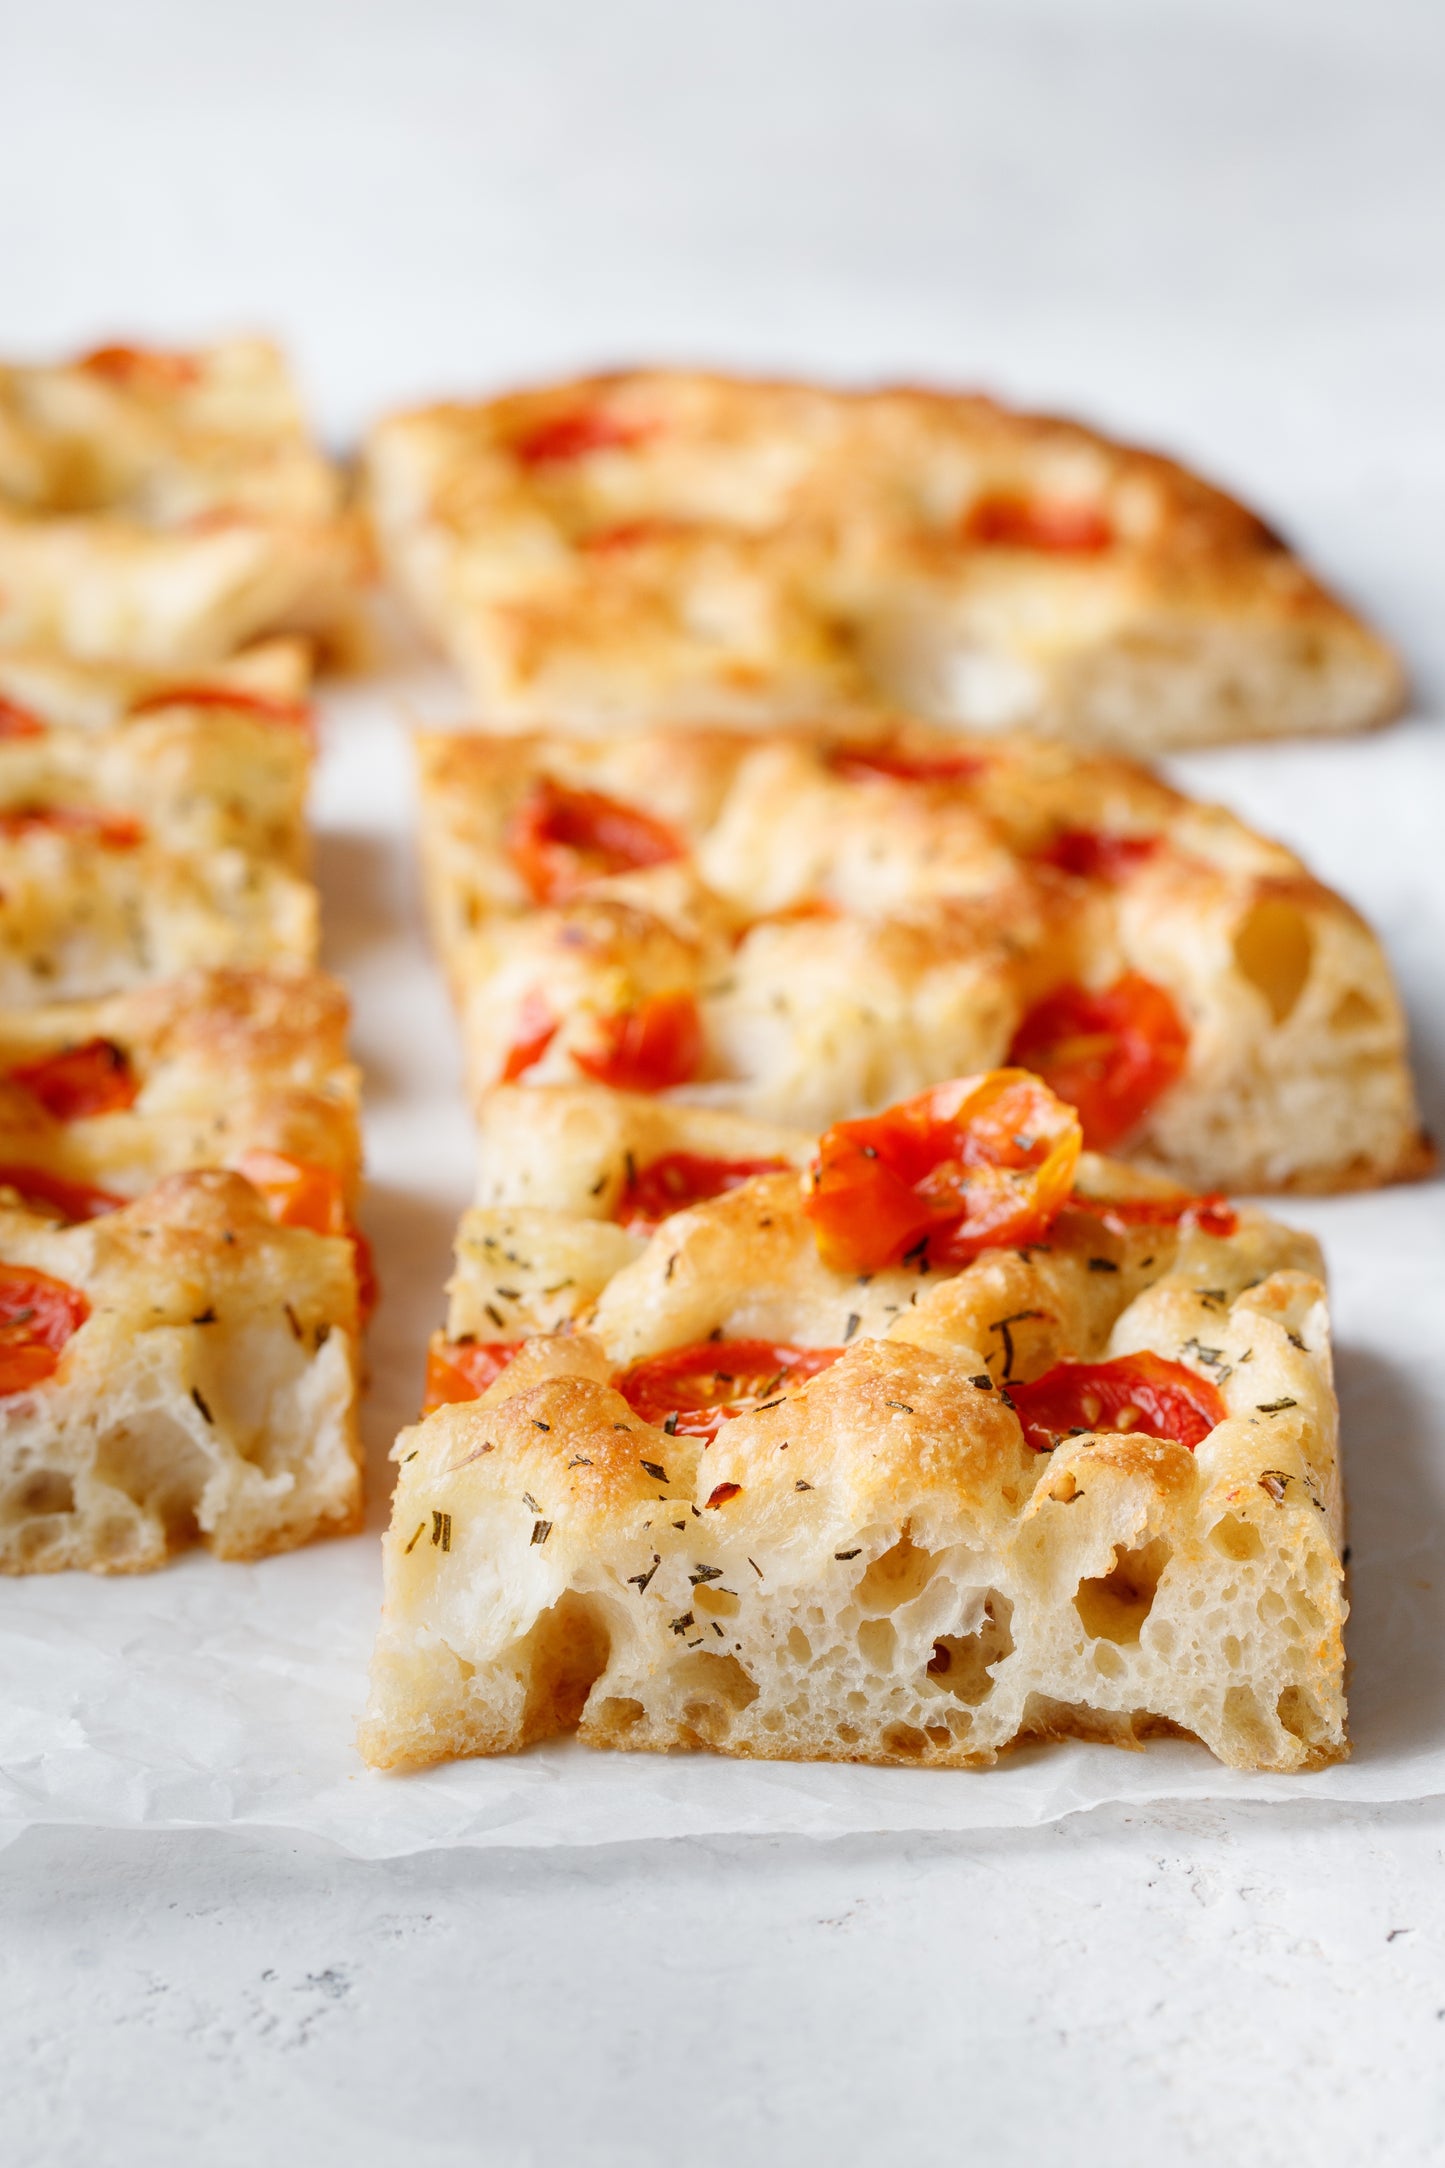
point(874, 1565)
point(851, 936)
point(198, 779)
point(162, 509)
point(62, 694)
point(670, 547)
point(80, 919)
point(222, 1063)
point(209, 1396)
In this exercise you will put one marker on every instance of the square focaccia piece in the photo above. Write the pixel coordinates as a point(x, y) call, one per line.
point(805, 926)
point(161, 509)
point(955, 1441)
point(676, 547)
point(247, 1069)
point(181, 1370)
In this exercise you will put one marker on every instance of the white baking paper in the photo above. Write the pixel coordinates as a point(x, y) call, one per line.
point(225, 1696)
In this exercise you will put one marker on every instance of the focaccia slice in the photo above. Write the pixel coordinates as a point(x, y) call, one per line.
point(663, 546)
point(161, 509)
point(759, 1502)
point(805, 926)
point(182, 1370)
point(100, 1100)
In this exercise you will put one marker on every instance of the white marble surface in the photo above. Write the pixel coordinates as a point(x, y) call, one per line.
point(1215, 223)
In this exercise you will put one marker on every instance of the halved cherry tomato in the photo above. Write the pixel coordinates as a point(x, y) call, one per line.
point(646, 1049)
point(537, 1028)
point(978, 1163)
point(1094, 856)
point(116, 831)
point(94, 1077)
point(298, 1193)
point(679, 1179)
point(73, 1201)
point(18, 722)
point(1110, 1054)
point(463, 1369)
point(266, 707)
point(560, 839)
point(1212, 1215)
point(1037, 523)
point(856, 763)
point(573, 436)
point(1133, 1392)
point(37, 1316)
point(142, 365)
point(694, 1390)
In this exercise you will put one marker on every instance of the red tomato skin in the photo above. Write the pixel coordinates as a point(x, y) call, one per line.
point(650, 1048)
point(975, 1164)
point(92, 1078)
point(38, 1315)
point(1168, 1401)
point(688, 1388)
point(679, 1179)
point(1025, 523)
point(560, 840)
point(459, 1370)
point(1111, 1054)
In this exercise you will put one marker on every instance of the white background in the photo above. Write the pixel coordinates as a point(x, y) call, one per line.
point(1214, 224)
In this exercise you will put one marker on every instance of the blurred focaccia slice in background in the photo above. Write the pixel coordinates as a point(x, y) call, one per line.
point(956, 1441)
point(180, 1370)
point(663, 546)
point(161, 509)
point(802, 926)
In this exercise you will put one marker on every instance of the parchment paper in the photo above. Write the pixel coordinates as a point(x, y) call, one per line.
point(215, 1695)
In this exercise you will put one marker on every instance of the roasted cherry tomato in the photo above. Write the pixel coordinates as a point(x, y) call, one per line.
point(1110, 1054)
point(93, 1078)
point(1134, 1392)
point(463, 1369)
point(298, 1193)
point(1037, 523)
point(72, 1201)
point(646, 1049)
point(142, 367)
point(680, 1179)
point(116, 831)
point(572, 436)
point(857, 762)
point(1094, 856)
point(266, 707)
point(18, 722)
point(982, 1162)
point(693, 1391)
point(1213, 1215)
point(37, 1317)
point(560, 839)
point(537, 1027)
